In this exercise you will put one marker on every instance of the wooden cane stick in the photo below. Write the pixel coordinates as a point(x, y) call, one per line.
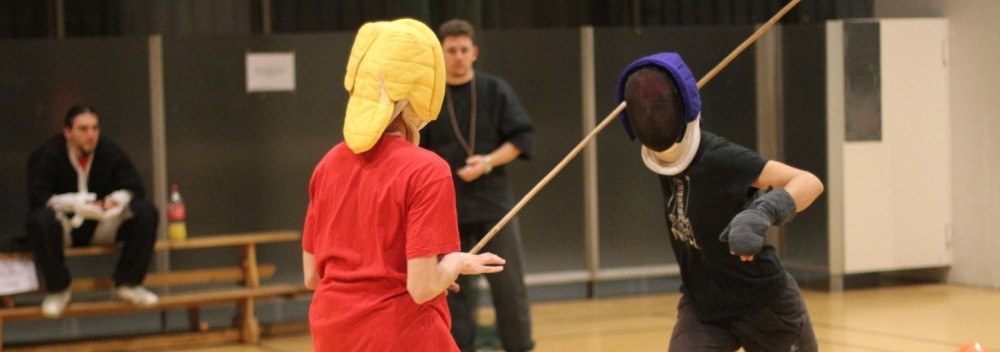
point(545, 180)
point(607, 120)
point(746, 43)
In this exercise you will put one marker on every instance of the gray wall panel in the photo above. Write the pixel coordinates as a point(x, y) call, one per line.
point(805, 243)
point(41, 79)
point(543, 66)
point(244, 160)
point(633, 226)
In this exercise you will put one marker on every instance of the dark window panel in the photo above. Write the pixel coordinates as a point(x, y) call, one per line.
point(91, 18)
point(741, 12)
point(25, 19)
point(35, 18)
point(724, 12)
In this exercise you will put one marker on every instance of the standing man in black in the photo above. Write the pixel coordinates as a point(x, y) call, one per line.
point(482, 127)
point(84, 190)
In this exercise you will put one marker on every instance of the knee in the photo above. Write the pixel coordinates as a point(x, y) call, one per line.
point(144, 210)
point(41, 219)
point(44, 230)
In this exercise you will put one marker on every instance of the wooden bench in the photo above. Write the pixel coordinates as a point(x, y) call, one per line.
point(247, 274)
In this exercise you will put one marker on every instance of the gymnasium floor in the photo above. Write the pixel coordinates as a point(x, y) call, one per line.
point(895, 319)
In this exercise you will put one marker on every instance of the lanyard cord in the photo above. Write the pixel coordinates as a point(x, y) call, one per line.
point(470, 144)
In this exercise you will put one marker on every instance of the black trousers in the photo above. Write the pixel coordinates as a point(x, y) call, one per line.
point(137, 235)
point(784, 326)
point(510, 298)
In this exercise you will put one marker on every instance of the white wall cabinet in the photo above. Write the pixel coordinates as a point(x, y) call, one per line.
point(889, 145)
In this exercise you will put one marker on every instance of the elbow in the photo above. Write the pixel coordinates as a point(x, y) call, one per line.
point(310, 278)
point(420, 293)
point(817, 184)
point(420, 299)
point(811, 190)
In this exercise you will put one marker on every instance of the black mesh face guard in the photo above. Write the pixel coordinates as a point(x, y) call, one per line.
point(654, 108)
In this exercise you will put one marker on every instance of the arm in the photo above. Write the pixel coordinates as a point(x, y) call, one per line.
point(803, 186)
point(514, 128)
point(43, 184)
point(41, 179)
point(794, 190)
point(125, 176)
point(478, 165)
point(309, 270)
point(125, 180)
point(427, 277)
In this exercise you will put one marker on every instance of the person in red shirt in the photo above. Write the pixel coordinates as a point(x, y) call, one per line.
point(380, 240)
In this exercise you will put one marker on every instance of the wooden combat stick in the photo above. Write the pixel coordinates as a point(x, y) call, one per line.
point(607, 120)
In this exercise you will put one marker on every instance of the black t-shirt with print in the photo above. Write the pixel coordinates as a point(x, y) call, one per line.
point(700, 202)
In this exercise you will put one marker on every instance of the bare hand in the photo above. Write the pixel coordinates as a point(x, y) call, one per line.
point(744, 258)
point(467, 174)
point(475, 167)
point(484, 263)
point(454, 287)
point(108, 204)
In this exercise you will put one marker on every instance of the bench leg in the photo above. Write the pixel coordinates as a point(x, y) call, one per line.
point(251, 274)
point(194, 320)
point(245, 318)
point(247, 322)
point(1, 334)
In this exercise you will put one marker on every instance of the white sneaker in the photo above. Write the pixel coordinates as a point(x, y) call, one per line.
point(55, 303)
point(137, 295)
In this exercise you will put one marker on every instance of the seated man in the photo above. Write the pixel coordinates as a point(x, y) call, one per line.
point(83, 191)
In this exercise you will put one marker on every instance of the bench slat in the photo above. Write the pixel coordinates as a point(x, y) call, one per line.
point(234, 239)
point(222, 240)
point(138, 343)
point(176, 278)
point(16, 255)
point(172, 301)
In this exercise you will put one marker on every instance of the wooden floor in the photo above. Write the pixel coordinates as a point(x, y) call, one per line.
point(904, 318)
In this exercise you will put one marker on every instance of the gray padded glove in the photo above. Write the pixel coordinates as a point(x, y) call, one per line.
point(745, 232)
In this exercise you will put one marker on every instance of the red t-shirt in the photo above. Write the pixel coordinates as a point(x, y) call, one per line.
point(368, 214)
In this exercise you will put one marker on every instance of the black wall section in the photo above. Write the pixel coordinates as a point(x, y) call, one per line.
point(633, 224)
point(243, 160)
point(33, 18)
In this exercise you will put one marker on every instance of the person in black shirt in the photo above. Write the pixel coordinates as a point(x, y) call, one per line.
point(735, 292)
point(84, 190)
point(481, 128)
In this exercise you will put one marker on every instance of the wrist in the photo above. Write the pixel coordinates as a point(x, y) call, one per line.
point(778, 205)
point(488, 162)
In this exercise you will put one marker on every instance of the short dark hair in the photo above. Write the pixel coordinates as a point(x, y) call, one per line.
point(456, 27)
point(75, 111)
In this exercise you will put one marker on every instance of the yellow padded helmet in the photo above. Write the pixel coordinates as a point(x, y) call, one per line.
point(391, 62)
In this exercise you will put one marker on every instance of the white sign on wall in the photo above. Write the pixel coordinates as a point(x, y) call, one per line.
point(270, 72)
